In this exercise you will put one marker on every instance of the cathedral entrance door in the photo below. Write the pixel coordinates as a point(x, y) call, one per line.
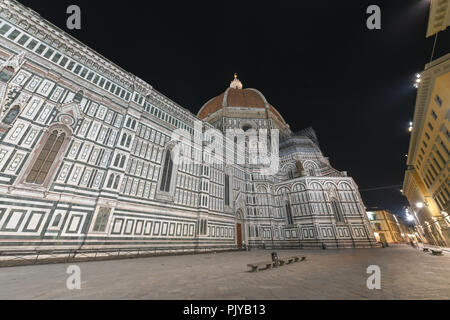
point(239, 235)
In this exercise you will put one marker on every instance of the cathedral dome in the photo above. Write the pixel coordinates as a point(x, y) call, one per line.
point(236, 96)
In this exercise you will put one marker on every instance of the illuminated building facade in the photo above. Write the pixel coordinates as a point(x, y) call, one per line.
point(427, 182)
point(86, 161)
point(386, 227)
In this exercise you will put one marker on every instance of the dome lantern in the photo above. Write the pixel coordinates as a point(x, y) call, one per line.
point(236, 84)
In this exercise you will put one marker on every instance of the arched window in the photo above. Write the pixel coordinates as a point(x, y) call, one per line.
point(122, 162)
point(337, 211)
point(47, 156)
point(110, 181)
point(167, 172)
point(128, 141)
point(6, 74)
point(116, 182)
point(116, 161)
point(124, 138)
point(11, 115)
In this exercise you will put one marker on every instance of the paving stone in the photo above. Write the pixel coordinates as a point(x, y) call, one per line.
point(406, 273)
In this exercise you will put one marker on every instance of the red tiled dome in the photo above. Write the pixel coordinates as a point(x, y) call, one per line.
point(235, 96)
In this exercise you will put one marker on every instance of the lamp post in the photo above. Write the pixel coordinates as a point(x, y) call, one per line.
point(415, 221)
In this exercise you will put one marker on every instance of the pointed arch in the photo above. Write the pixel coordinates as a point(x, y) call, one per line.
point(299, 187)
point(48, 155)
point(310, 167)
point(283, 190)
point(288, 170)
point(261, 188)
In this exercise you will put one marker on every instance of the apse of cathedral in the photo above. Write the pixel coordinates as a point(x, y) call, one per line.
point(86, 160)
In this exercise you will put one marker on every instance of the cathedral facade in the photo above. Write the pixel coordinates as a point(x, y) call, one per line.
point(86, 161)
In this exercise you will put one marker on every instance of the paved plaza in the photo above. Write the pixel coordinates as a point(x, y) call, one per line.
point(406, 273)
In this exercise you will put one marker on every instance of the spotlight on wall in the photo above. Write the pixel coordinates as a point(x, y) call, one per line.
point(418, 80)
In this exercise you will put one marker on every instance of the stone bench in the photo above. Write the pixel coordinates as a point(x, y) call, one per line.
point(260, 265)
point(436, 252)
point(269, 264)
point(289, 260)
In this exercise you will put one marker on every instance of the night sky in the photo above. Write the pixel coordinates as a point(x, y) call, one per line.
point(315, 61)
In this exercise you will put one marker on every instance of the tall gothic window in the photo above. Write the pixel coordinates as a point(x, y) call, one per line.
point(337, 211)
point(116, 182)
point(46, 158)
point(113, 181)
point(227, 190)
point(11, 115)
point(122, 161)
point(110, 181)
point(123, 140)
point(289, 214)
point(102, 220)
point(116, 161)
point(167, 173)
